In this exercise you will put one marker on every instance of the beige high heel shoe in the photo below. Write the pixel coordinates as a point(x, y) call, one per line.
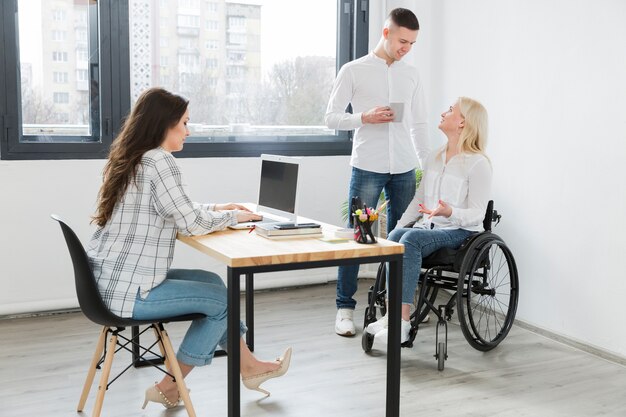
point(156, 396)
point(253, 382)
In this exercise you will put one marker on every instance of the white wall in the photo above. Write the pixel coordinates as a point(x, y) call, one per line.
point(35, 268)
point(552, 75)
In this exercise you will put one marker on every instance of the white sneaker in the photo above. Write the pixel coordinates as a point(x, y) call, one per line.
point(377, 325)
point(344, 323)
point(404, 331)
point(426, 319)
point(381, 335)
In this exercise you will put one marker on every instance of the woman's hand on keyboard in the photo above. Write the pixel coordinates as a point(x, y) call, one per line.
point(247, 216)
point(230, 206)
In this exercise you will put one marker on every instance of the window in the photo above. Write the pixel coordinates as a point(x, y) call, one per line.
point(237, 38)
point(58, 15)
point(59, 56)
point(188, 4)
point(82, 81)
point(82, 75)
point(189, 63)
point(189, 43)
point(211, 7)
point(188, 21)
point(236, 56)
point(59, 35)
point(237, 23)
point(61, 98)
point(81, 35)
point(55, 109)
point(212, 44)
point(82, 55)
point(212, 25)
point(235, 71)
point(59, 77)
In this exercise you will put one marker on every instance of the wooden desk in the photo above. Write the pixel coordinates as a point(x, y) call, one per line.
point(246, 253)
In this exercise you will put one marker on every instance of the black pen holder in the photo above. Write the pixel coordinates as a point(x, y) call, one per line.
point(362, 230)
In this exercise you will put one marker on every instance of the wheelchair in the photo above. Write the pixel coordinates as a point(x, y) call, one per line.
point(482, 281)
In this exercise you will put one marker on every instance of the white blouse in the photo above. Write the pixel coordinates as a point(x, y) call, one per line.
point(464, 183)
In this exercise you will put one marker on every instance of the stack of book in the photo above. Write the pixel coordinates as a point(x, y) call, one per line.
point(284, 230)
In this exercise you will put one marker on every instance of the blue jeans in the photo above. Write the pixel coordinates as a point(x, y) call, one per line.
point(419, 243)
point(399, 190)
point(187, 291)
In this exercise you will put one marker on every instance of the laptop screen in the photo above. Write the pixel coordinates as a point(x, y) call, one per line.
point(279, 185)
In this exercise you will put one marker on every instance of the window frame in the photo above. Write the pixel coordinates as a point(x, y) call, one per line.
point(114, 63)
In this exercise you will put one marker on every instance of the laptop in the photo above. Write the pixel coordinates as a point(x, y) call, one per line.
point(278, 191)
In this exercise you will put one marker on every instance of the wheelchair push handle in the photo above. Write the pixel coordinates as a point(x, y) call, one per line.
point(491, 216)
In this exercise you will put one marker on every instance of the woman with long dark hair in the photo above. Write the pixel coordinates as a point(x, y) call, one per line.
point(142, 205)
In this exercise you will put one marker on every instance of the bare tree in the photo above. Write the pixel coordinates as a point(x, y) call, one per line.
point(295, 92)
point(302, 87)
point(36, 109)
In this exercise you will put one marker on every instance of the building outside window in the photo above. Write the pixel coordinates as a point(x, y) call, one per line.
point(241, 62)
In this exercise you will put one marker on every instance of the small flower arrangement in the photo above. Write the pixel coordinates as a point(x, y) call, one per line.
point(362, 219)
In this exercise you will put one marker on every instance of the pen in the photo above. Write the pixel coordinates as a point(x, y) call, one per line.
point(382, 206)
point(251, 229)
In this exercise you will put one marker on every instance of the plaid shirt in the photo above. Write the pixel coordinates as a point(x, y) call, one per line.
point(134, 250)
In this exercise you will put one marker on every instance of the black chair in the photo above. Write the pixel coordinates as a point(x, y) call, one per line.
point(94, 308)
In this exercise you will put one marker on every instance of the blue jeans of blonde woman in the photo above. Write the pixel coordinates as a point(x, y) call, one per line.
point(419, 243)
point(187, 291)
point(399, 190)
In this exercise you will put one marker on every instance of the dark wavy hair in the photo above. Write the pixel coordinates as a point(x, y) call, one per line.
point(155, 111)
point(404, 18)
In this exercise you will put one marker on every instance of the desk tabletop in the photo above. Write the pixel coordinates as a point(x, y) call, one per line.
point(239, 248)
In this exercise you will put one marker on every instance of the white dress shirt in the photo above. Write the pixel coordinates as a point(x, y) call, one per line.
point(135, 248)
point(464, 183)
point(369, 82)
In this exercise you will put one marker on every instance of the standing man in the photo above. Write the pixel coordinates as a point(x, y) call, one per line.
point(389, 119)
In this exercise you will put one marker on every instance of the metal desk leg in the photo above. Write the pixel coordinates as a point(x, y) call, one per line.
point(250, 310)
point(393, 341)
point(233, 342)
point(137, 361)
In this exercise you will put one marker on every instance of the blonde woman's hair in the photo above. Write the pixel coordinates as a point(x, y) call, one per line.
point(473, 137)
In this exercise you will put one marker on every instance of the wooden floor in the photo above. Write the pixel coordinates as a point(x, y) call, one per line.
point(43, 362)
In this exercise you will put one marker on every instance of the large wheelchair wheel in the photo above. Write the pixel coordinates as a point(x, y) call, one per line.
point(487, 292)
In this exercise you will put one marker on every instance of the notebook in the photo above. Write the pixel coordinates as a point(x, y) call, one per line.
point(278, 190)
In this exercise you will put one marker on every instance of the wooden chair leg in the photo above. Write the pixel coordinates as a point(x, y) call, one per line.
point(92, 369)
point(104, 378)
point(166, 361)
point(175, 369)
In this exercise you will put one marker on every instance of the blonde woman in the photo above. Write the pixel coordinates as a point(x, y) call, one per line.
point(450, 202)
